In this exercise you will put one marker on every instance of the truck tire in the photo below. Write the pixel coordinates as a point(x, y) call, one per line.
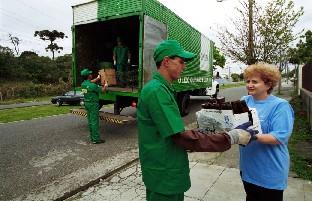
point(183, 100)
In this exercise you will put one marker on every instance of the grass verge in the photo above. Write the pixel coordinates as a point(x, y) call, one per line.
point(237, 84)
point(300, 142)
point(27, 113)
point(25, 100)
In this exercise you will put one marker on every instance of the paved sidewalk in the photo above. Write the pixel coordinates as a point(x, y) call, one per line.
point(209, 183)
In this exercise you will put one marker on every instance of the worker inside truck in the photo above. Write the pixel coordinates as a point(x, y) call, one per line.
point(121, 59)
point(95, 43)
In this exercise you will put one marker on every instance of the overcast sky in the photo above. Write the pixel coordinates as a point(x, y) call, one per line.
point(22, 18)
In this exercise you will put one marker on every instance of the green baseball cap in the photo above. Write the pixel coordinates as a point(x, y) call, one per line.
point(171, 48)
point(85, 72)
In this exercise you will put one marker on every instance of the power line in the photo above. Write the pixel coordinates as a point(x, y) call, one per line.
point(16, 18)
point(22, 22)
point(13, 14)
point(53, 18)
point(26, 20)
point(18, 34)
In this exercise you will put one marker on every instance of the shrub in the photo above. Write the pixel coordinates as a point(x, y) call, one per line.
point(31, 90)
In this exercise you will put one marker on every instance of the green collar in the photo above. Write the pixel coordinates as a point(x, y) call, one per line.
point(161, 79)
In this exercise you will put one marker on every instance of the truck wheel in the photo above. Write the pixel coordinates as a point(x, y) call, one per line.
point(183, 103)
point(59, 103)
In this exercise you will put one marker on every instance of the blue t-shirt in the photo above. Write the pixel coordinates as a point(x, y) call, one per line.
point(267, 165)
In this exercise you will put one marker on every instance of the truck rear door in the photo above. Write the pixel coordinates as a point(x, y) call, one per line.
point(154, 32)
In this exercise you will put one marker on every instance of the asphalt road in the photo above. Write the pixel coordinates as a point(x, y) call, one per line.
point(36, 153)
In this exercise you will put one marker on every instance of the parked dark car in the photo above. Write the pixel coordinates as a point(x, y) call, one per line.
point(70, 97)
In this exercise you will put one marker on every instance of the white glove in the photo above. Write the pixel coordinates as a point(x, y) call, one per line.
point(239, 136)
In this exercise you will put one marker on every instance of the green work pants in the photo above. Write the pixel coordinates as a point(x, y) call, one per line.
point(154, 196)
point(122, 70)
point(93, 120)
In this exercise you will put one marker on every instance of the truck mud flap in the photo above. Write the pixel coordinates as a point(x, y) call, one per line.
point(106, 116)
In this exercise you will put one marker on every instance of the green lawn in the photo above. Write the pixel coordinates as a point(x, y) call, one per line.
point(27, 113)
point(237, 84)
point(300, 142)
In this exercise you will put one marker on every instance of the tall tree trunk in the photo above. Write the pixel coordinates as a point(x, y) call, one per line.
point(296, 77)
point(280, 82)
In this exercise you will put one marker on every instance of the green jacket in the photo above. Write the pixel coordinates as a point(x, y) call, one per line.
point(90, 91)
point(165, 166)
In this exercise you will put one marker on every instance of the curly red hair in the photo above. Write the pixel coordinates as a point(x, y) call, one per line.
point(267, 72)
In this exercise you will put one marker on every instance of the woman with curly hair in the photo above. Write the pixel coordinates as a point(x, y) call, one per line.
point(264, 163)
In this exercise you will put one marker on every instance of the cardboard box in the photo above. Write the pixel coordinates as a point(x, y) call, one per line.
point(108, 75)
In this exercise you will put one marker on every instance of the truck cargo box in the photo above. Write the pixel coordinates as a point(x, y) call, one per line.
point(141, 24)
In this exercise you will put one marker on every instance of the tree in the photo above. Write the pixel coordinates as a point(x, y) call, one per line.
point(39, 69)
point(234, 40)
point(64, 64)
point(51, 36)
point(275, 28)
point(235, 77)
point(15, 41)
point(272, 32)
point(28, 54)
point(301, 54)
point(218, 58)
point(6, 63)
point(293, 56)
point(304, 48)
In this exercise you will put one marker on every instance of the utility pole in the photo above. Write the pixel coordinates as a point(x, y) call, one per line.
point(250, 56)
point(250, 45)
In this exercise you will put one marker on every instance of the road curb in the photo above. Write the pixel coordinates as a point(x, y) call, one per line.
point(95, 181)
point(73, 183)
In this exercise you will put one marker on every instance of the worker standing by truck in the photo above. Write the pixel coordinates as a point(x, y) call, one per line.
point(121, 59)
point(91, 93)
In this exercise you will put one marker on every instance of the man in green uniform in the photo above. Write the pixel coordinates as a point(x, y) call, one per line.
point(162, 139)
point(91, 93)
point(121, 59)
